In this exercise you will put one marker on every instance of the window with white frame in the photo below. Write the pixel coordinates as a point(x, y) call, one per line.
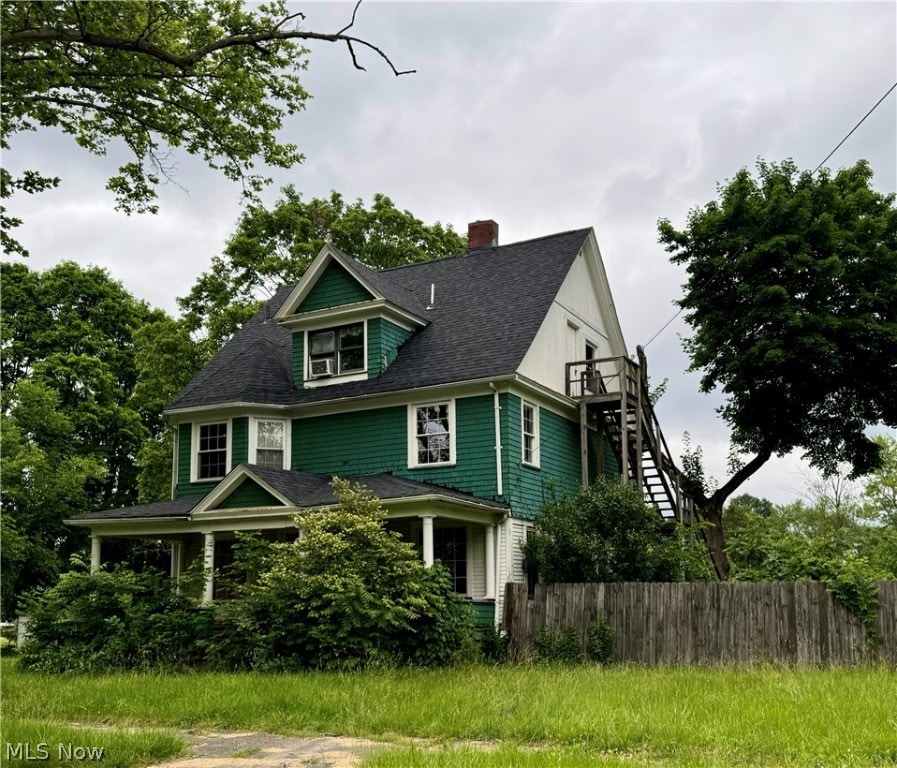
point(270, 443)
point(432, 434)
point(333, 351)
point(530, 428)
point(211, 451)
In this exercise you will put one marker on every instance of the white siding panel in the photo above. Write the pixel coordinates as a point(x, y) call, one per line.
point(476, 562)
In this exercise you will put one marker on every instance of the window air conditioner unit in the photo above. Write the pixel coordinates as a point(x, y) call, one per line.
point(321, 368)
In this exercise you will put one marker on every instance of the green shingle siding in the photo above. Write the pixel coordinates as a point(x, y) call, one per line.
point(384, 340)
point(249, 494)
point(239, 441)
point(334, 288)
point(483, 613)
point(559, 472)
point(185, 439)
point(367, 442)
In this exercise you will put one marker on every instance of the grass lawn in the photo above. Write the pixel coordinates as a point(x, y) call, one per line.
point(531, 716)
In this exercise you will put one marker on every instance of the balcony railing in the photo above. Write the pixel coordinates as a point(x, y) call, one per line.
point(608, 376)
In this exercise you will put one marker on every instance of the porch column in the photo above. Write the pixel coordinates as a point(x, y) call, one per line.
point(490, 562)
point(96, 545)
point(177, 560)
point(208, 566)
point(428, 539)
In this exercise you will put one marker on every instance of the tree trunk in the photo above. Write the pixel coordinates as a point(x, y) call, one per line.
point(715, 538)
point(710, 510)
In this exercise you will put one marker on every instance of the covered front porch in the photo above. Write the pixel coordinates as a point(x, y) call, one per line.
point(464, 533)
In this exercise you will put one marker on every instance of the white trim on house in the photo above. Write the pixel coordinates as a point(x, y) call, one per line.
point(531, 460)
point(336, 377)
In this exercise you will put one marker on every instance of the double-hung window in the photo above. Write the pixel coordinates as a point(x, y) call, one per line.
point(211, 451)
point(270, 443)
point(432, 434)
point(530, 429)
point(334, 351)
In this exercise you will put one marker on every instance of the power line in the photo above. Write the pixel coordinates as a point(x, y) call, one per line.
point(781, 205)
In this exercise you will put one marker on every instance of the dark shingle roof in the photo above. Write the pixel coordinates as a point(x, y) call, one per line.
point(173, 508)
point(489, 305)
point(307, 490)
point(303, 489)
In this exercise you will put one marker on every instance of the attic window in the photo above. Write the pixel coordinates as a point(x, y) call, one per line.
point(333, 351)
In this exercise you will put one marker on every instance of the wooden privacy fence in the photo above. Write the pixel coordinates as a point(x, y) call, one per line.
point(701, 623)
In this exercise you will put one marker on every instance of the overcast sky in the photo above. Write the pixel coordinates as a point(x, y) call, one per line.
point(543, 116)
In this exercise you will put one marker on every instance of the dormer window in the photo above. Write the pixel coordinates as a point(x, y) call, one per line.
point(335, 351)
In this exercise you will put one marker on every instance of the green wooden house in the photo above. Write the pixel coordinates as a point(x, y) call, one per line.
point(464, 392)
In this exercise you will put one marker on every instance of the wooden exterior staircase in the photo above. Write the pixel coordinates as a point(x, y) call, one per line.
point(612, 394)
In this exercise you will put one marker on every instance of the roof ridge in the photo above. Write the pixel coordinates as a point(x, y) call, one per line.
point(485, 249)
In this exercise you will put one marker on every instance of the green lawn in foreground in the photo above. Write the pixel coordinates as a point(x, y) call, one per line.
point(559, 716)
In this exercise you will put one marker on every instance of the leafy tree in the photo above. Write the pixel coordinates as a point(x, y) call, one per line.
point(881, 489)
point(347, 594)
point(215, 79)
point(607, 533)
point(792, 295)
point(72, 428)
point(44, 483)
point(273, 247)
point(833, 539)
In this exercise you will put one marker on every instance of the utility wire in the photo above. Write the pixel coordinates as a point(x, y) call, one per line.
point(781, 205)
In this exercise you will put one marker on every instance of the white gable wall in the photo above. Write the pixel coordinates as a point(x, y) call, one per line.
point(581, 313)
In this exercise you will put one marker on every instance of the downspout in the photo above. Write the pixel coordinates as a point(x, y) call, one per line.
point(498, 473)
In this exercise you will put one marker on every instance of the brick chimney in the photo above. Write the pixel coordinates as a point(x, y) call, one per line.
point(482, 234)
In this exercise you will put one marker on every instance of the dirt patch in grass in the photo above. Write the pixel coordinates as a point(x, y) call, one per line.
point(264, 750)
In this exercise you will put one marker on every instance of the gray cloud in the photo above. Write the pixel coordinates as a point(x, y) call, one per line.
point(543, 116)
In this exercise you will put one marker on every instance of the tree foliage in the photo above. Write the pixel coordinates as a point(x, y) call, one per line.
point(72, 429)
point(348, 594)
point(215, 79)
point(834, 538)
point(792, 295)
point(274, 246)
point(607, 533)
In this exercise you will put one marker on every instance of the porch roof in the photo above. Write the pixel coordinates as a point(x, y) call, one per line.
point(303, 489)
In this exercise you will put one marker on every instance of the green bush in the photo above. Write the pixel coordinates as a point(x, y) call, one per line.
point(607, 533)
point(600, 645)
point(493, 644)
point(558, 646)
point(111, 620)
point(347, 594)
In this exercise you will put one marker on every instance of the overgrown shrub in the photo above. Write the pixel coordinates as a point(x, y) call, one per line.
point(347, 594)
point(600, 645)
point(607, 533)
point(559, 646)
point(493, 644)
point(108, 620)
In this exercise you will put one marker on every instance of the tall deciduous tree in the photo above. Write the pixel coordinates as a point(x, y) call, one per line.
point(72, 429)
point(214, 78)
point(792, 295)
point(274, 246)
